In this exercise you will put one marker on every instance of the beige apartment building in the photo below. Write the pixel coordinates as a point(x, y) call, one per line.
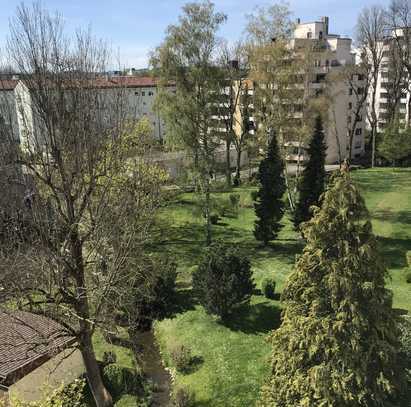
point(331, 53)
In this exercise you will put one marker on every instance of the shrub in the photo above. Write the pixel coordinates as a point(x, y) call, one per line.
point(214, 218)
point(234, 201)
point(109, 358)
point(121, 380)
point(223, 280)
point(408, 277)
point(182, 357)
point(183, 397)
point(405, 339)
point(127, 400)
point(408, 256)
point(154, 293)
point(268, 288)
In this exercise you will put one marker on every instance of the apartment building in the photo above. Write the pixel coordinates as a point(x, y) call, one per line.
point(138, 93)
point(392, 94)
point(331, 53)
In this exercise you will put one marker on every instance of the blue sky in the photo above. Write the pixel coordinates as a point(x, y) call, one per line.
point(134, 27)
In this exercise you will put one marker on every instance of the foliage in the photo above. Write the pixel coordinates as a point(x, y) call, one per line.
point(183, 397)
point(405, 339)
point(396, 142)
point(120, 380)
point(338, 312)
point(408, 257)
point(312, 182)
point(268, 288)
point(187, 58)
point(109, 358)
point(182, 357)
point(65, 396)
point(214, 218)
point(408, 277)
point(223, 280)
point(269, 205)
point(154, 292)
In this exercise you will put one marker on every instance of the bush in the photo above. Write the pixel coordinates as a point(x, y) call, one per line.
point(408, 277)
point(405, 339)
point(121, 380)
point(214, 219)
point(182, 357)
point(268, 288)
point(223, 280)
point(127, 400)
point(109, 358)
point(408, 256)
point(154, 293)
point(183, 397)
point(234, 202)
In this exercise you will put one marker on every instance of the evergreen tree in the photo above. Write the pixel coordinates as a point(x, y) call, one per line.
point(338, 343)
point(312, 182)
point(269, 205)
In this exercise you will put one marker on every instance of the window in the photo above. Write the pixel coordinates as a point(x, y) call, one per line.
point(309, 35)
point(350, 92)
point(349, 105)
point(360, 91)
point(358, 132)
point(136, 93)
point(143, 93)
point(321, 35)
point(358, 144)
point(150, 93)
point(360, 77)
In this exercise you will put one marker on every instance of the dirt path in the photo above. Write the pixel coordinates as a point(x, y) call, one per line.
point(153, 367)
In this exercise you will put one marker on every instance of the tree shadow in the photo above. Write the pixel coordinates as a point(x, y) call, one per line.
point(257, 318)
point(403, 217)
point(394, 251)
point(195, 364)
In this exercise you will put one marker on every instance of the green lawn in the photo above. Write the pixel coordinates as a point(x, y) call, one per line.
point(233, 359)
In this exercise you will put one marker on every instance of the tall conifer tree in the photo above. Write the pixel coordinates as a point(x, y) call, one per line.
point(338, 343)
point(269, 205)
point(312, 182)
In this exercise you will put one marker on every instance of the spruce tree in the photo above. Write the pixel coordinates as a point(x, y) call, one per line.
point(338, 342)
point(312, 182)
point(269, 205)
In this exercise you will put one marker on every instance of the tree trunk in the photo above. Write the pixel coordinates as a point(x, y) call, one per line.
point(373, 133)
point(228, 163)
point(207, 211)
point(100, 394)
point(238, 167)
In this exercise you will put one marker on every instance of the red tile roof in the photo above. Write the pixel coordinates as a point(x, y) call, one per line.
point(126, 81)
point(27, 341)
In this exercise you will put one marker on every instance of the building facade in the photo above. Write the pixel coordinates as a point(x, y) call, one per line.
point(330, 55)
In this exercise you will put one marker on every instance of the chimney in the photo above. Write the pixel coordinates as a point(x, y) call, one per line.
point(326, 21)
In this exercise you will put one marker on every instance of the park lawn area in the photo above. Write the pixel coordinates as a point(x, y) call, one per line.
point(232, 360)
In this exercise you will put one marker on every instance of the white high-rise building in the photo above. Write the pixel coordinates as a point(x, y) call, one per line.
point(331, 53)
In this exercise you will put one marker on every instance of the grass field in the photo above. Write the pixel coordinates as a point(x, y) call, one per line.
point(233, 359)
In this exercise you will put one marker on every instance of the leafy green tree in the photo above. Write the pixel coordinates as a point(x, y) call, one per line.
point(223, 280)
point(338, 343)
point(312, 182)
point(187, 58)
point(269, 205)
point(396, 142)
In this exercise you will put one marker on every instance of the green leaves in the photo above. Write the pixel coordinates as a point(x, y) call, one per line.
point(338, 343)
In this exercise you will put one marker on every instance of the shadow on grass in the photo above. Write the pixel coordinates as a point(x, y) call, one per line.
point(257, 318)
point(394, 251)
point(403, 217)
